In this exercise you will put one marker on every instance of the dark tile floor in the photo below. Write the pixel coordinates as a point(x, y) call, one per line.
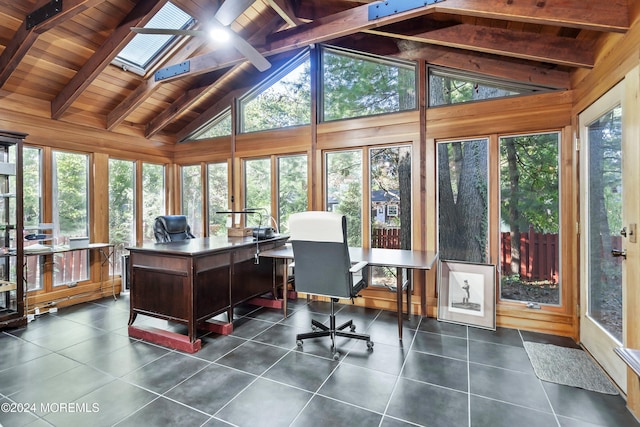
point(78, 367)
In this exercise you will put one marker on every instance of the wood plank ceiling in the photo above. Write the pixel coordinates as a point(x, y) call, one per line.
point(62, 66)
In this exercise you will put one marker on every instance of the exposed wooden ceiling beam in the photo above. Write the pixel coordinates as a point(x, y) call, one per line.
point(597, 15)
point(587, 14)
point(210, 113)
point(148, 87)
point(25, 38)
point(480, 63)
point(108, 50)
point(284, 9)
point(194, 94)
point(515, 44)
point(187, 99)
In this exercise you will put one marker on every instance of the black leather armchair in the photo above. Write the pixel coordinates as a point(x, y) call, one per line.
point(171, 228)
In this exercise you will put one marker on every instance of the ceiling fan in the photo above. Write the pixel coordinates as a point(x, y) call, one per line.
point(226, 14)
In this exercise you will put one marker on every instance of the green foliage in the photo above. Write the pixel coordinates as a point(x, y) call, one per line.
point(153, 189)
point(192, 198)
point(71, 194)
point(356, 86)
point(287, 102)
point(344, 190)
point(218, 197)
point(292, 187)
point(258, 189)
point(220, 126)
point(32, 187)
point(121, 201)
point(536, 191)
point(447, 88)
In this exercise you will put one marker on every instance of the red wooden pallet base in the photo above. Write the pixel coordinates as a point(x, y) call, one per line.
point(166, 338)
point(217, 327)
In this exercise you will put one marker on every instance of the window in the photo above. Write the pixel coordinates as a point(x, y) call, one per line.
point(121, 207)
point(217, 174)
point(390, 204)
point(283, 101)
point(463, 205)
point(32, 205)
point(355, 85)
point(530, 215)
point(144, 50)
point(70, 215)
point(343, 176)
point(219, 126)
point(153, 190)
point(452, 87)
point(257, 179)
point(192, 198)
point(292, 188)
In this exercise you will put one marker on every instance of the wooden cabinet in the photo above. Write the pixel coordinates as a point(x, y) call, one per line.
point(12, 298)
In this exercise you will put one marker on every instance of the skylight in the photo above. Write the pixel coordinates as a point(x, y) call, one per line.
point(144, 50)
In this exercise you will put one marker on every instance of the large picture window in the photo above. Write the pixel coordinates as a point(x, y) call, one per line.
point(70, 215)
point(530, 218)
point(390, 201)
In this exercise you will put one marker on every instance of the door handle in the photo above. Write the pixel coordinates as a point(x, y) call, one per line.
point(619, 252)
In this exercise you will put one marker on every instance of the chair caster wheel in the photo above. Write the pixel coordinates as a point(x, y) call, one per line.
point(336, 356)
point(370, 345)
point(299, 343)
point(353, 328)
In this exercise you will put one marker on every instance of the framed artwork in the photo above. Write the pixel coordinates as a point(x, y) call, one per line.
point(467, 294)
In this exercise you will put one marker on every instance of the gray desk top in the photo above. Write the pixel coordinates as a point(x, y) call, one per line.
point(404, 258)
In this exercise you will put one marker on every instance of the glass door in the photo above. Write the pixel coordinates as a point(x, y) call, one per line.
point(603, 233)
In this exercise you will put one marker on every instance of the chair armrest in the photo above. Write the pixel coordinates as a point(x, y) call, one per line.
point(357, 267)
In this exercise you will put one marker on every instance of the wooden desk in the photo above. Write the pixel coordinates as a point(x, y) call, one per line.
point(377, 257)
point(193, 280)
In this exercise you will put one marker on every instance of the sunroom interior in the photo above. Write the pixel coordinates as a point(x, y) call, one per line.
point(497, 133)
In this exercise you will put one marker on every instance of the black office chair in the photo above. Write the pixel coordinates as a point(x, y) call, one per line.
point(323, 267)
point(171, 228)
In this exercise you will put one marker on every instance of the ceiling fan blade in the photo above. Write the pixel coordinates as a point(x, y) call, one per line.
point(250, 52)
point(231, 9)
point(167, 31)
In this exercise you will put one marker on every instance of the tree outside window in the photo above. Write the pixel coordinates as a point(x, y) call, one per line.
point(344, 190)
point(292, 188)
point(257, 179)
point(153, 190)
point(70, 214)
point(192, 198)
point(218, 182)
point(530, 215)
point(121, 207)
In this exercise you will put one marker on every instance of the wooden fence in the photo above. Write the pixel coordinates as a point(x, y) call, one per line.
point(538, 256)
point(385, 238)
